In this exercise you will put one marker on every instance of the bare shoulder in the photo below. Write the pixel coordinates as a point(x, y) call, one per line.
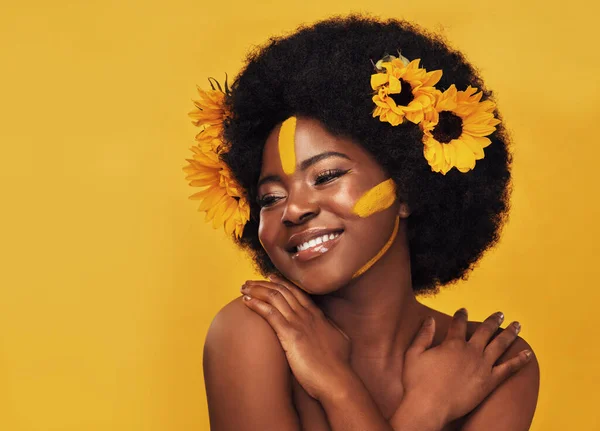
point(236, 322)
point(512, 404)
point(245, 369)
point(443, 321)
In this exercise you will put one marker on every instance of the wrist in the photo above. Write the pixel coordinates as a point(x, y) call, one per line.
point(417, 414)
point(339, 386)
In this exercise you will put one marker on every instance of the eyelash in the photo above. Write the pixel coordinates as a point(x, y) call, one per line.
point(330, 174)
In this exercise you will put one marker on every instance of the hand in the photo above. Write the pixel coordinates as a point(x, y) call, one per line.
point(457, 375)
point(317, 350)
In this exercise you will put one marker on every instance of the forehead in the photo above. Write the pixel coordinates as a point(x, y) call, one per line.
point(310, 138)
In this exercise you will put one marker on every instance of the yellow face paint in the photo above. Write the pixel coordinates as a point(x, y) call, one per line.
point(385, 248)
point(287, 151)
point(379, 198)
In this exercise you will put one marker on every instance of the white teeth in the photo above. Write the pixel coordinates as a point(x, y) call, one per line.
point(317, 241)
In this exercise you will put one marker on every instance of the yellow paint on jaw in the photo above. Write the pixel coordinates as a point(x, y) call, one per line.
point(379, 198)
point(287, 151)
point(378, 256)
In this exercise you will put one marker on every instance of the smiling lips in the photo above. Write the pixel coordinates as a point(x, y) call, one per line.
point(316, 246)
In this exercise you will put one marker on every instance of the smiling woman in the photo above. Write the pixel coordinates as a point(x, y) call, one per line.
point(348, 159)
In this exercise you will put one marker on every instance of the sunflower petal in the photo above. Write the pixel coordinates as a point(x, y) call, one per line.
point(215, 207)
point(465, 159)
point(212, 199)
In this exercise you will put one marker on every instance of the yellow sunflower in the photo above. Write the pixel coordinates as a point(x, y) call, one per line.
point(210, 109)
point(210, 139)
point(454, 132)
point(404, 90)
point(221, 197)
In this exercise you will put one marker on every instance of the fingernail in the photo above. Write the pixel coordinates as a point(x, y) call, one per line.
point(500, 317)
point(247, 298)
point(517, 327)
point(528, 354)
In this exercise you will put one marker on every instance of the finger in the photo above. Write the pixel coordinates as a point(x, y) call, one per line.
point(424, 336)
point(458, 326)
point(273, 294)
point(278, 322)
point(302, 298)
point(500, 344)
point(512, 366)
point(484, 332)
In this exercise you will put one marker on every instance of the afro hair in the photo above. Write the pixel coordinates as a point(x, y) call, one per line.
point(323, 71)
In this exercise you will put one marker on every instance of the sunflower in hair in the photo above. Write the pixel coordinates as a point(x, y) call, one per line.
point(221, 198)
point(455, 131)
point(404, 90)
point(210, 109)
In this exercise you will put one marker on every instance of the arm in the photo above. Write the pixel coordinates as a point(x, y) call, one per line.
point(247, 379)
point(512, 405)
point(349, 406)
point(249, 383)
point(352, 408)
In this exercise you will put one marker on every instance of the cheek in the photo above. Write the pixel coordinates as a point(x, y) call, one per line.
point(377, 199)
point(269, 231)
point(263, 233)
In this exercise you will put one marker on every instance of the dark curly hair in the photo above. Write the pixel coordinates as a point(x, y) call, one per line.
point(323, 71)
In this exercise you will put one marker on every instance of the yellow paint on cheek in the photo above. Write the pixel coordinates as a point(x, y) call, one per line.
point(379, 198)
point(287, 151)
point(381, 252)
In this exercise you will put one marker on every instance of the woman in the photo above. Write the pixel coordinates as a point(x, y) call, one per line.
point(348, 160)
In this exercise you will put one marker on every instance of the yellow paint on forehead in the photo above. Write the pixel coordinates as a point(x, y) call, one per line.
point(381, 252)
point(287, 150)
point(379, 198)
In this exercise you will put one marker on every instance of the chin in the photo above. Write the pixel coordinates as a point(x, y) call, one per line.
point(319, 274)
point(319, 281)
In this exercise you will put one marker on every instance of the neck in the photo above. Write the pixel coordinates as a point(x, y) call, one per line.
point(378, 310)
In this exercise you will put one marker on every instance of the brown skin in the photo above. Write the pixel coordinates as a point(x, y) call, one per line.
point(377, 311)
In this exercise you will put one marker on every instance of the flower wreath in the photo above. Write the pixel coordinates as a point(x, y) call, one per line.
point(454, 124)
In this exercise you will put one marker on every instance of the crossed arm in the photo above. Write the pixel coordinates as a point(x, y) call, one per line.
point(248, 386)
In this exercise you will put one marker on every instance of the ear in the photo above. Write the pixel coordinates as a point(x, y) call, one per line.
point(403, 210)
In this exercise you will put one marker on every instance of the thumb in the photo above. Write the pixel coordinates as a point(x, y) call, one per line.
point(424, 337)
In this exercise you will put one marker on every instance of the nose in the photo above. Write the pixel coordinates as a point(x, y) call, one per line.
point(301, 206)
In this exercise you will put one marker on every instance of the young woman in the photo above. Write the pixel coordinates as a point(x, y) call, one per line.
point(348, 159)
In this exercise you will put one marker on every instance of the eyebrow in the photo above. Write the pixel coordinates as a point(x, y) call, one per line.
point(304, 166)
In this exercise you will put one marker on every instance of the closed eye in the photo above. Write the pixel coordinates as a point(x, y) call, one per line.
point(323, 178)
point(330, 174)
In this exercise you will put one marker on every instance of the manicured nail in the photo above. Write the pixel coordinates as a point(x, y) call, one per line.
point(517, 326)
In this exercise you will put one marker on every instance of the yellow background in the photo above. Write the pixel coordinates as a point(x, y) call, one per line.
point(109, 277)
